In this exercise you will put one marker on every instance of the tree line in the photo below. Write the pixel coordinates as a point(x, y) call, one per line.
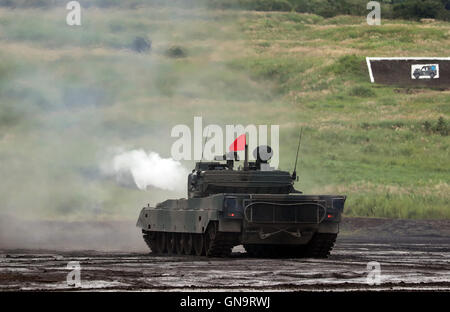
point(401, 9)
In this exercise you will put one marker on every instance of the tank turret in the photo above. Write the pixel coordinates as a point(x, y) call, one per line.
point(257, 177)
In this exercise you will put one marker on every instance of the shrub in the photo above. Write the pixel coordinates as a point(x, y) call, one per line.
point(176, 52)
point(257, 5)
point(441, 127)
point(141, 44)
point(417, 9)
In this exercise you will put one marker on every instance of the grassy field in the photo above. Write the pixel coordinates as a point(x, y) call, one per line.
point(68, 94)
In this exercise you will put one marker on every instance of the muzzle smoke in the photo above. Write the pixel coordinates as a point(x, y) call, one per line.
point(147, 170)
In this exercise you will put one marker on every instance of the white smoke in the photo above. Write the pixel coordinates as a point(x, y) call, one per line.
point(147, 170)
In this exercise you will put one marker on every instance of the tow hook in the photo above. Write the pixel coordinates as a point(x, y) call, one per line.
point(295, 234)
point(263, 235)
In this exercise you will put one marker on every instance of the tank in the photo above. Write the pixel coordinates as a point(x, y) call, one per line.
point(252, 205)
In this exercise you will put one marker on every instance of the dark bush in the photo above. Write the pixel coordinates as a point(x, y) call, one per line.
point(405, 9)
point(427, 126)
point(141, 45)
point(441, 127)
point(176, 52)
point(257, 5)
point(417, 9)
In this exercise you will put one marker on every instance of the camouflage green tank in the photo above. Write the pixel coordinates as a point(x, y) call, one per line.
point(253, 206)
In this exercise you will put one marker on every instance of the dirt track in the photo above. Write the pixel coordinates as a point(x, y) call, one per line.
point(409, 261)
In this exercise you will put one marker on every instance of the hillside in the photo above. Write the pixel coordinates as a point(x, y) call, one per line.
point(68, 94)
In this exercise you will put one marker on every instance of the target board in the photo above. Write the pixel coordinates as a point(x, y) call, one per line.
point(410, 71)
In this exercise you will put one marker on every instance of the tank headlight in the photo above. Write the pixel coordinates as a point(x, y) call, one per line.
point(232, 208)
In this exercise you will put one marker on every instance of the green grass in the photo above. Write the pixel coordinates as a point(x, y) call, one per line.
point(69, 94)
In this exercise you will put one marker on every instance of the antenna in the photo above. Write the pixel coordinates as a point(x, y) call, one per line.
point(294, 173)
point(246, 154)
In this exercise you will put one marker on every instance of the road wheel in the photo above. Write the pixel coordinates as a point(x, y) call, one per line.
point(198, 244)
point(179, 243)
point(170, 243)
point(210, 236)
point(160, 243)
point(432, 75)
point(188, 244)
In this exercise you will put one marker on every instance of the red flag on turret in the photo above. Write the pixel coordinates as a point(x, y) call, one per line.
point(238, 144)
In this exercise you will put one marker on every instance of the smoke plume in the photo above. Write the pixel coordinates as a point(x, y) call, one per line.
point(68, 94)
point(147, 170)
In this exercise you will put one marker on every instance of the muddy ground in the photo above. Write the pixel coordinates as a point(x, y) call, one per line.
point(413, 255)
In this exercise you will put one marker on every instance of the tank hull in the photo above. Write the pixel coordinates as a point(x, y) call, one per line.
point(260, 222)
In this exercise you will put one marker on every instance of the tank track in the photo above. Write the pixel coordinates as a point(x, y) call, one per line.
point(150, 241)
point(219, 246)
point(320, 246)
